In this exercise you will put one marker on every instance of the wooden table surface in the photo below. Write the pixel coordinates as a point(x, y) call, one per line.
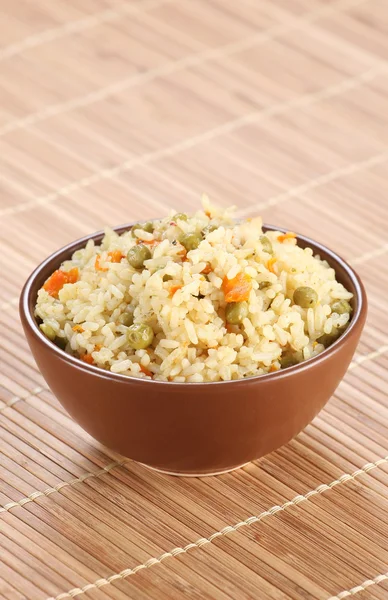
point(116, 111)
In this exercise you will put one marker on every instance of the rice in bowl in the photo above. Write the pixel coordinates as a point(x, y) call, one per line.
point(194, 299)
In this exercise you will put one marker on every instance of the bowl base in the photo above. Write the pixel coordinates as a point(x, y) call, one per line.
point(183, 474)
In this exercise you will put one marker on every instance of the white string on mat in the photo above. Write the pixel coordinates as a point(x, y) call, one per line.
point(69, 28)
point(372, 254)
point(372, 355)
point(232, 125)
point(173, 66)
point(9, 303)
point(15, 399)
point(360, 588)
point(372, 161)
point(225, 531)
point(51, 490)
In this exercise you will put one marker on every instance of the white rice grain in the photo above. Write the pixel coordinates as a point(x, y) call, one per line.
point(121, 366)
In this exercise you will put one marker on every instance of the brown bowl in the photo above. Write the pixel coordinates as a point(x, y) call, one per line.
point(193, 428)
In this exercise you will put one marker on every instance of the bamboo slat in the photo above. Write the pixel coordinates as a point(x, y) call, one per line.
point(117, 111)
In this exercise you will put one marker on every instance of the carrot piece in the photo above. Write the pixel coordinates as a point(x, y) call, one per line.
point(182, 253)
point(97, 347)
point(174, 288)
point(97, 264)
point(270, 265)
point(273, 369)
point(207, 270)
point(87, 358)
point(238, 288)
point(78, 329)
point(115, 256)
point(72, 275)
point(58, 279)
point(55, 283)
point(146, 371)
point(151, 243)
point(290, 235)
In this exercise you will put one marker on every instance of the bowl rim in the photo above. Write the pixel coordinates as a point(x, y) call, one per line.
point(28, 317)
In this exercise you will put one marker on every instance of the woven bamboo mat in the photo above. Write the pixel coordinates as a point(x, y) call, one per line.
point(115, 111)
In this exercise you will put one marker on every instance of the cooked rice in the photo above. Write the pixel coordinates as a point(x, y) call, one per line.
point(192, 341)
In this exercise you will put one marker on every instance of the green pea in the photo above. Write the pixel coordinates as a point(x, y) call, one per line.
point(126, 318)
point(60, 342)
point(341, 307)
point(178, 236)
point(263, 285)
point(265, 242)
point(149, 227)
point(140, 336)
point(288, 360)
point(167, 277)
point(305, 297)
point(134, 227)
point(327, 339)
point(191, 241)
point(48, 331)
point(137, 255)
point(235, 312)
point(209, 229)
point(180, 217)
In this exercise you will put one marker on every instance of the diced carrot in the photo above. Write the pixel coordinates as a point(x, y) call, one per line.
point(78, 329)
point(290, 235)
point(58, 279)
point(55, 283)
point(97, 347)
point(207, 213)
point(270, 264)
point(182, 252)
point(87, 358)
point(207, 269)
point(174, 288)
point(273, 368)
point(97, 264)
point(72, 275)
point(115, 256)
point(146, 371)
point(150, 243)
point(238, 288)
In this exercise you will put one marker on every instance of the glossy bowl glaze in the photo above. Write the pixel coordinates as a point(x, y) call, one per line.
point(193, 428)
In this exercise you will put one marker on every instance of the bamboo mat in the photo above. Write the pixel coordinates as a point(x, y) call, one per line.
point(116, 111)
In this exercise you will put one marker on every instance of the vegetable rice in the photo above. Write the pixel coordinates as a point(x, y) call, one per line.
point(194, 299)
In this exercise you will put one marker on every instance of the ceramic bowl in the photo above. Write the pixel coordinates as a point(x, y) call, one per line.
point(190, 428)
